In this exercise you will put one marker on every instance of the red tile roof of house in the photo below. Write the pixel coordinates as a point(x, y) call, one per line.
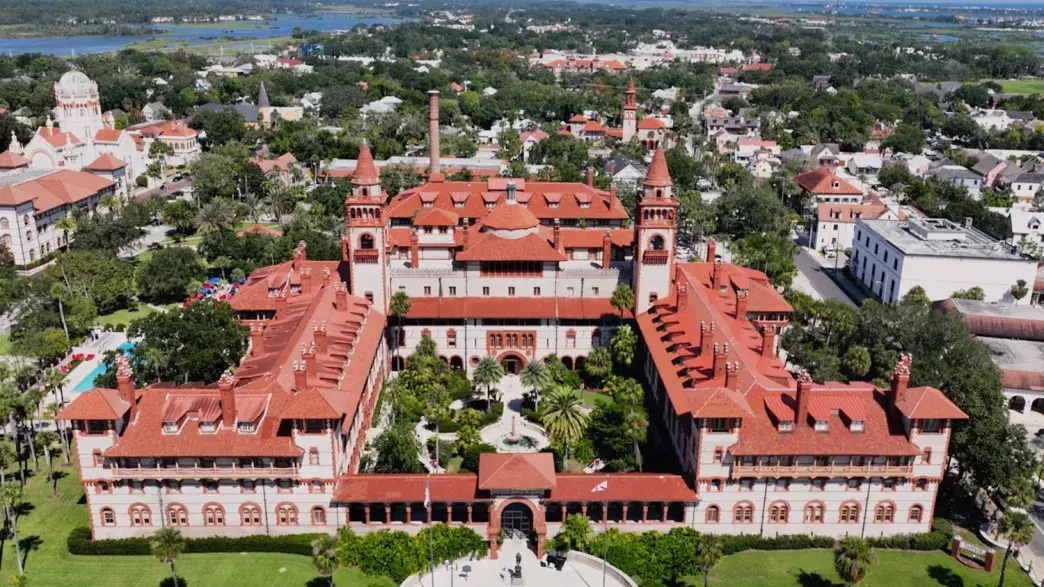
point(516, 471)
point(436, 217)
point(828, 212)
point(658, 175)
point(759, 67)
point(282, 162)
point(578, 118)
point(490, 247)
point(105, 162)
point(9, 160)
point(822, 181)
point(536, 134)
point(54, 189)
point(108, 135)
point(99, 403)
point(928, 403)
point(651, 123)
point(510, 217)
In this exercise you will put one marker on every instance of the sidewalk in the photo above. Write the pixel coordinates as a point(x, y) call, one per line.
point(1032, 563)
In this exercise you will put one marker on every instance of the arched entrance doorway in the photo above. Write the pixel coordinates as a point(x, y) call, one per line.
point(1017, 403)
point(517, 518)
point(512, 363)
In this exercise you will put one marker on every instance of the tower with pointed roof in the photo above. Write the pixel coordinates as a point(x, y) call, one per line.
point(366, 234)
point(264, 108)
point(655, 234)
point(630, 112)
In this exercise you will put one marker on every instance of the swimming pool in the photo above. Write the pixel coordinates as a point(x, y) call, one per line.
point(88, 382)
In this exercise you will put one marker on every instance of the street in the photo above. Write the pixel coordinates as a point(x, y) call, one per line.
point(171, 187)
point(1036, 513)
point(812, 280)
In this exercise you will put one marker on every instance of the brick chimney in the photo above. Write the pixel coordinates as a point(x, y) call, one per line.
point(280, 301)
point(434, 171)
point(683, 304)
point(612, 169)
point(768, 341)
point(227, 385)
point(719, 275)
point(326, 277)
point(319, 333)
point(306, 281)
point(607, 249)
point(590, 176)
point(467, 232)
point(712, 251)
point(731, 372)
point(257, 340)
point(299, 256)
point(741, 304)
point(612, 191)
point(706, 338)
point(804, 388)
point(308, 358)
point(414, 249)
point(557, 242)
point(125, 385)
point(300, 377)
point(720, 360)
point(341, 297)
point(900, 380)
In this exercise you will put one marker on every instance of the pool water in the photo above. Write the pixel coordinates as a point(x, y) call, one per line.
point(88, 382)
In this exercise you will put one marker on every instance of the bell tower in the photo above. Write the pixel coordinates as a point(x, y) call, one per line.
point(366, 234)
point(655, 231)
point(630, 112)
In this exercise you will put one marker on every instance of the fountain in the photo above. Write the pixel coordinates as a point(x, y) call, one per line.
point(515, 441)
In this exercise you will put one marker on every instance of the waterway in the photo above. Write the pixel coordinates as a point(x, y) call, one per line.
point(278, 26)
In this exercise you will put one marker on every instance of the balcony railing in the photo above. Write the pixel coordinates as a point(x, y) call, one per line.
point(795, 470)
point(655, 257)
point(197, 472)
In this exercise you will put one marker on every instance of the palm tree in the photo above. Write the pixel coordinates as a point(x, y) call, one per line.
point(11, 499)
point(65, 224)
point(488, 373)
point(565, 418)
point(161, 150)
point(622, 299)
point(708, 553)
point(399, 305)
point(167, 546)
point(324, 557)
point(1018, 529)
point(254, 206)
point(47, 440)
point(51, 413)
point(8, 455)
point(636, 425)
point(852, 559)
point(216, 215)
point(537, 377)
point(599, 364)
point(623, 345)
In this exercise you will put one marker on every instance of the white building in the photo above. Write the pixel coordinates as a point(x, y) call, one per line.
point(890, 257)
point(1026, 230)
point(834, 226)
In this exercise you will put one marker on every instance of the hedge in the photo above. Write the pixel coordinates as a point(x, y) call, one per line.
point(80, 543)
point(733, 543)
point(923, 541)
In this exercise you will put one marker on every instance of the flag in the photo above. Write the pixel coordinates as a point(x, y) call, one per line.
point(427, 494)
point(603, 486)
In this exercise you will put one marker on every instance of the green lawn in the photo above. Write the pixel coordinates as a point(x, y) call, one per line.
point(5, 344)
point(48, 563)
point(815, 568)
point(1022, 86)
point(124, 317)
point(592, 398)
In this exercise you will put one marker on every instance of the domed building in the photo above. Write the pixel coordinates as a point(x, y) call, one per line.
point(78, 105)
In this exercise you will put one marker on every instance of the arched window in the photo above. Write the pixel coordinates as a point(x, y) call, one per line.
point(318, 516)
point(5, 224)
point(884, 513)
point(366, 241)
point(286, 514)
point(250, 514)
point(743, 513)
point(916, 513)
point(108, 517)
point(779, 513)
point(656, 243)
point(213, 515)
point(713, 514)
point(177, 515)
point(926, 456)
point(814, 512)
point(140, 515)
point(849, 513)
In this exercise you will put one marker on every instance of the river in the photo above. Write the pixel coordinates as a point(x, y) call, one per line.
point(278, 26)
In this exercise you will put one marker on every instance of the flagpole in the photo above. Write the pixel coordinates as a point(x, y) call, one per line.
point(431, 531)
point(605, 529)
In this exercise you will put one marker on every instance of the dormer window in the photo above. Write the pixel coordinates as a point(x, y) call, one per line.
point(585, 205)
point(552, 205)
point(822, 425)
point(786, 426)
point(428, 204)
point(246, 427)
point(458, 204)
point(857, 426)
point(719, 424)
point(170, 427)
point(837, 185)
point(208, 427)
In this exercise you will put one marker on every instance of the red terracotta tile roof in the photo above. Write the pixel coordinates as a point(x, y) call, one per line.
point(591, 238)
point(512, 307)
point(651, 123)
point(57, 138)
point(516, 471)
point(928, 403)
point(658, 175)
point(260, 229)
point(510, 217)
point(54, 189)
point(822, 181)
point(1031, 380)
point(365, 170)
point(96, 404)
point(828, 212)
point(991, 325)
point(407, 488)
point(108, 135)
point(623, 486)
point(283, 162)
point(436, 217)
point(105, 163)
point(490, 247)
point(9, 160)
point(578, 118)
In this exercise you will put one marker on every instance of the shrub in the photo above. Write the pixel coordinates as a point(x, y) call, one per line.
point(531, 415)
point(496, 410)
point(944, 527)
point(80, 543)
point(119, 327)
point(741, 542)
point(446, 425)
point(445, 450)
point(471, 456)
point(924, 541)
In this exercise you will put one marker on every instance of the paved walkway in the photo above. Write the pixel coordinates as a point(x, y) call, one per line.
point(511, 392)
point(490, 573)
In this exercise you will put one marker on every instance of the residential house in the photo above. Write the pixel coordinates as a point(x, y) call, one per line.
point(834, 226)
point(624, 171)
point(959, 176)
point(989, 168)
point(826, 187)
point(154, 111)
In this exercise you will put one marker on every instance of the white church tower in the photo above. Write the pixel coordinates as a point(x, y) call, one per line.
point(78, 106)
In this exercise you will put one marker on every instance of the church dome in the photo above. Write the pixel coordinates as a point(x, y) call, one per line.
point(74, 84)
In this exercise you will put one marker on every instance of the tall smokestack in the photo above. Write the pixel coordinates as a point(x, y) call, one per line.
point(434, 173)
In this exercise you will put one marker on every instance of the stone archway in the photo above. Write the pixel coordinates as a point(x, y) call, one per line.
point(1017, 403)
point(511, 362)
point(511, 510)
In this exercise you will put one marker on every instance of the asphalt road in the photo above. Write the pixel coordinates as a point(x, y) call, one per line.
point(172, 186)
point(1036, 512)
point(812, 273)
